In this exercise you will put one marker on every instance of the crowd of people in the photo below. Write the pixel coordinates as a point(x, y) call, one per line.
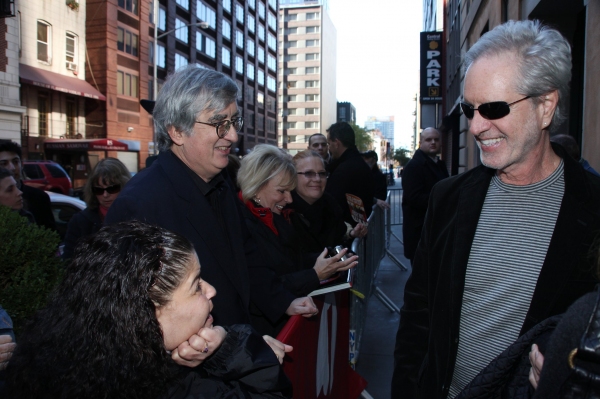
point(177, 280)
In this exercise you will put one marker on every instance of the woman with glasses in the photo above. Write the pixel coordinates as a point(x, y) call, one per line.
point(266, 179)
point(317, 219)
point(100, 191)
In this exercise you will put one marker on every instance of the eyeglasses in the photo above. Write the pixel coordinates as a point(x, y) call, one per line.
point(224, 126)
point(312, 175)
point(490, 111)
point(115, 188)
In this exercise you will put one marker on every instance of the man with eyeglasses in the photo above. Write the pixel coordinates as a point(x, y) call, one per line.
point(504, 245)
point(36, 201)
point(420, 174)
point(187, 190)
point(318, 143)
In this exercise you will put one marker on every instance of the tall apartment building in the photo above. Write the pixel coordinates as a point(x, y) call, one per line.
point(384, 124)
point(240, 41)
point(346, 112)
point(51, 68)
point(307, 73)
point(11, 111)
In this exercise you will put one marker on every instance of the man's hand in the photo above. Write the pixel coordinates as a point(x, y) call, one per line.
point(304, 306)
point(383, 204)
point(199, 346)
point(7, 347)
point(537, 361)
point(359, 231)
point(278, 347)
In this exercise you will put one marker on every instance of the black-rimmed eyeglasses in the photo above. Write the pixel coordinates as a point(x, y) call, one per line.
point(224, 126)
point(491, 111)
point(312, 175)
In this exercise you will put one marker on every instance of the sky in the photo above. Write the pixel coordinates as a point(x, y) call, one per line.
point(378, 59)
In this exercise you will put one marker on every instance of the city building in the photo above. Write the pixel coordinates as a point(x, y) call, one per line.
point(51, 68)
point(465, 22)
point(11, 111)
point(307, 67)
point(346, 112)
point(384, 124)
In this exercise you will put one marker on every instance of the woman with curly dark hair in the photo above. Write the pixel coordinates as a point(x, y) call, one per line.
point(131, 296)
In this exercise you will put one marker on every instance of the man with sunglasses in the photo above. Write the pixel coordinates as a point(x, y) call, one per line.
point(504, 245)
point(187, 190)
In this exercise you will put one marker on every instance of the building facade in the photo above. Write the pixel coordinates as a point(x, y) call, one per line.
point(385, 125)
point(307, 74)
point(11, 111)
point(346, 112)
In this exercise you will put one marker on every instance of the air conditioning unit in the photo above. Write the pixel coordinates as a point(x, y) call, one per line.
point(71, 66)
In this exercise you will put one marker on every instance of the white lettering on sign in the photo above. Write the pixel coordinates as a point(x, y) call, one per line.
point(432, 53)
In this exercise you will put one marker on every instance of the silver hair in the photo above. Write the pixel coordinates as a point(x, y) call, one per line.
point(262, 164)
point(544, 60)
point(185, 94)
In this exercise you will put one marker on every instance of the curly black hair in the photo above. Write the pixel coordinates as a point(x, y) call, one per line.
point(99, 337)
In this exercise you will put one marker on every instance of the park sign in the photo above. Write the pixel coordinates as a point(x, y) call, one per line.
point(431, 67)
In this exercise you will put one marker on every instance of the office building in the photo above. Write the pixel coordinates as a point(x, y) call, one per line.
point(346, 112)
point(383, 124)
point(307, 67)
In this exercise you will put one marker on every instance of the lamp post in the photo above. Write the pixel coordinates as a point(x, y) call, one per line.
point(202, 25)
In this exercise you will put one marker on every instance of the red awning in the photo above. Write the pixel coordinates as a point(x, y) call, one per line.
point(85, 145)
point(54, 81)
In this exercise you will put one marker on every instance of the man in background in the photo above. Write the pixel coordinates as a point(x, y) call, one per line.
point(318, 142)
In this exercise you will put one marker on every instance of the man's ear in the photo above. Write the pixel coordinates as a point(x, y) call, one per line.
point(175, 135)
point(549, 105)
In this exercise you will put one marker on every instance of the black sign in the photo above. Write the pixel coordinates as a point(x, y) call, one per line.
point(431, 67)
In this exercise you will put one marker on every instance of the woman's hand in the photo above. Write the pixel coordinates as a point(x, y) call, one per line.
point(359, 231)
point(7, 347)
point(278, 347)
point(199, 346)
point(326, 267)
point(304, 306)
point(537, 361)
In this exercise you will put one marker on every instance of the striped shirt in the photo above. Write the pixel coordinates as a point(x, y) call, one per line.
point(509, 248)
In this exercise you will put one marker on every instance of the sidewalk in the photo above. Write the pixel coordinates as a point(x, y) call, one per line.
point(376, 357)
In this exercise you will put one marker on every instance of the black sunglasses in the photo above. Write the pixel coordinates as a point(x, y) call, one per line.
point(491, 111)
point(312, 175)
point(224, 126)
point(115, 188)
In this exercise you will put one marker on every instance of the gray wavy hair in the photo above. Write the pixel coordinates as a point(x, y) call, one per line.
point(185, 94)
point(544, 60)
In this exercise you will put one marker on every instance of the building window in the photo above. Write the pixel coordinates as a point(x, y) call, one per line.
point(210, 47)
point(290, 57)
point(291, 111)
point(227, 5)
point(311, 83)
point(271, 125)
point(250, 71)
point(127, 84)
point(261, 10)
point(43, 108)
point(291, 31)
point(291, 98)
point(252, 4)
point(312, 43)
point(271, 105)
point(226, 29)
point(260, 122)
point(291, 71)
point(289, 125)
point(185, 4)
point(127, 42)
point(260, 100)
point(291, 44)
point(313, 29)
point(160, 56)
point(71, 50)
point(239, 38)
point(312, 56)
point(44, 36)
point(129, 5)
point(272, 63)
point(271, 83)
point(312, 15)
point(272, 42)
point(239, 64)
point(250, 47)
point(180, 61)
point(206, 14)
point(261, 32)
point(311, 125)
point(311, 111)
point(162, 19)
point(261, 55)
point(291, 17)
point(311, 97)
point(226, 57)
point(251, 23)
point(239, 13)
point(261, 77)
point(181, 30)
point(291, 84)
point(71, 116)
point(273, 4)
point(312, 70)
point(272, 21)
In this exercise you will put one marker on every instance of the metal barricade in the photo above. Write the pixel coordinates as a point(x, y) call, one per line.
point(393, 217)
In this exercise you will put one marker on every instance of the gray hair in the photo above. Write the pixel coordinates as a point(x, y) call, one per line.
point(185, 94)
point(544, 60)
point(261, 165)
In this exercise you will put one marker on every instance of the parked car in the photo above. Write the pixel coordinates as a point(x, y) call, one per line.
point(63, 209)
point(47, 176)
